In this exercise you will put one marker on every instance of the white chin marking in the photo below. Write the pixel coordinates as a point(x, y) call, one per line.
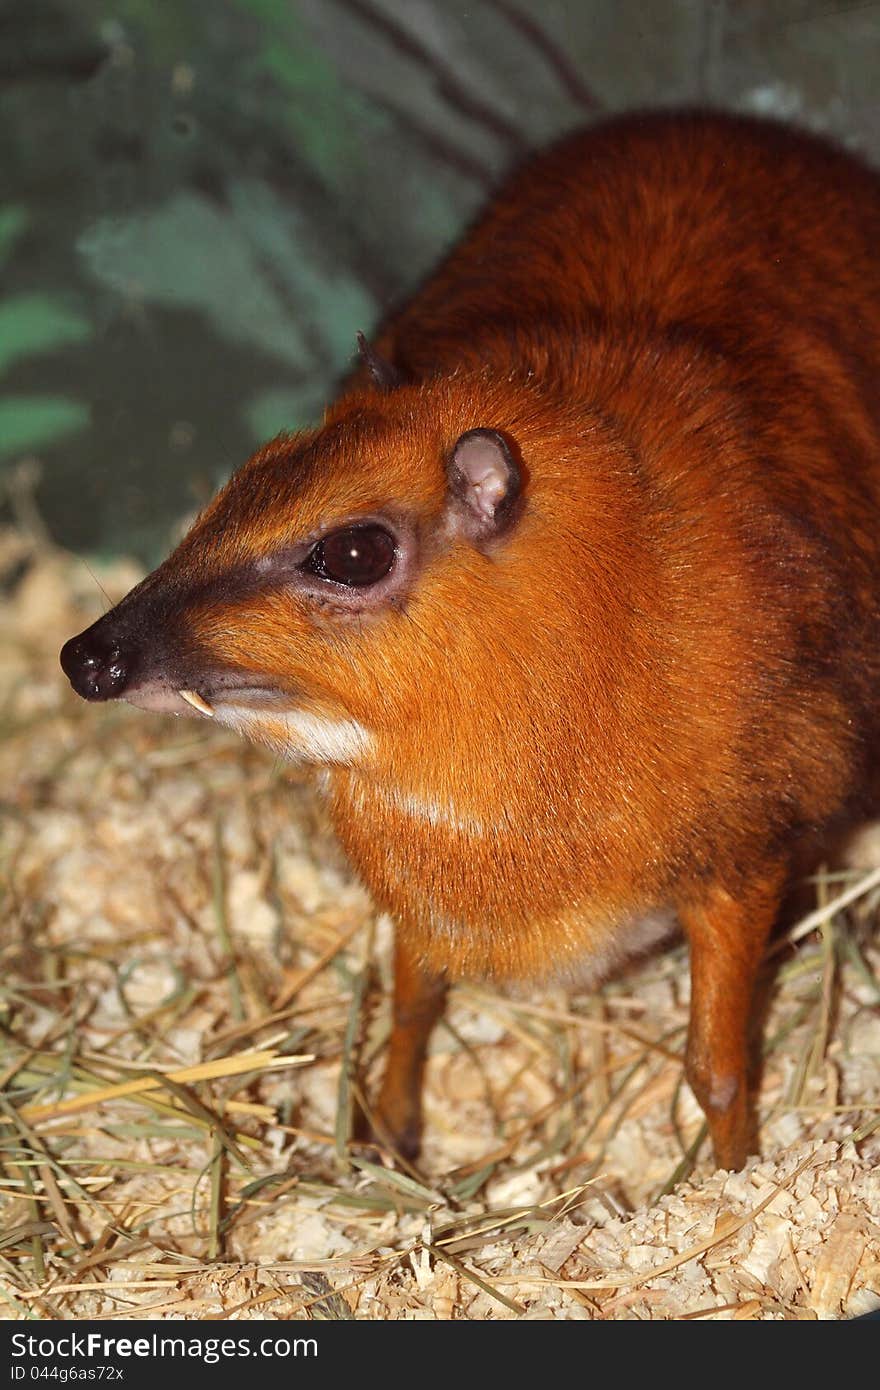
point(300, 736)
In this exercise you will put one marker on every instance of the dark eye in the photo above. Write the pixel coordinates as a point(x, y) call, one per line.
point(356, 555)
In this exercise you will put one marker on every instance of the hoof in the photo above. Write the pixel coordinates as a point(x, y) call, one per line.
point(405, 1143)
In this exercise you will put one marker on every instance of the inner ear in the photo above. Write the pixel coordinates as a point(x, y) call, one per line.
point(485, 481)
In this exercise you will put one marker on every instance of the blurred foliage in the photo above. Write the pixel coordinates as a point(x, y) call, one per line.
point(203, 203)
point(33, 323)
point(12, 223)
point(318, 107)
point(28, 422)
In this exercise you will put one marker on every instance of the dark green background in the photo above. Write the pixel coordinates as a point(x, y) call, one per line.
point(201, 201)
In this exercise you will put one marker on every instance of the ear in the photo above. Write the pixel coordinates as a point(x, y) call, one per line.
point(385, 375)
point(485, 482)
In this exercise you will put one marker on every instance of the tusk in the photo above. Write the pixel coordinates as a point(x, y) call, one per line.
point(193, 698)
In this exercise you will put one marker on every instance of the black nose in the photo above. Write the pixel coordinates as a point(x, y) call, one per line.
point(96, 664)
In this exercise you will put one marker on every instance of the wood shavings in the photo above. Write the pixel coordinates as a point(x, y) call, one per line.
point(837, 1263)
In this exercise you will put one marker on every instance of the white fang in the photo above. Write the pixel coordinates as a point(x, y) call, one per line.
point(193, 698)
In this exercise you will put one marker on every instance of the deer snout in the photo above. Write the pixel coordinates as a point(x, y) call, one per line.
point(99, 663)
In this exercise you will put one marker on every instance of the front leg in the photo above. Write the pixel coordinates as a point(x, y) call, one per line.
point(727, 936)
point(419, 998)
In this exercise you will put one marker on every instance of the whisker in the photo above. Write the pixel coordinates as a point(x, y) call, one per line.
point(92, 575)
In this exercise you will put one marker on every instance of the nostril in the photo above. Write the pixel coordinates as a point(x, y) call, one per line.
point(97, 669)
point(115, 674)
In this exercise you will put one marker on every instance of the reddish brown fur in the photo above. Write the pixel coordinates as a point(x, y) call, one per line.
point(652, 690)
